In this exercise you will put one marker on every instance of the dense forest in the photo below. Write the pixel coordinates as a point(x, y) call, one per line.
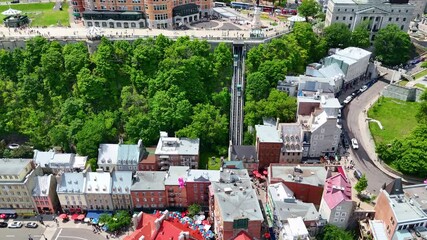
point(54, 95)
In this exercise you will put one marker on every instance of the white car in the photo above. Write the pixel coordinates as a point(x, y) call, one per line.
point(348, 99)
point(364, 88)
point(354, 143)
point(15, 224)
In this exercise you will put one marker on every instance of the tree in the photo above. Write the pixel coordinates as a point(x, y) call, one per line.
point(194, 209)
point(362, 184)
point(360, 35)
point(331, 232)
point(308, 8)
point(93, 163)
point(307, 39)
point(392, 46)
point(337, 35)
point(223, 64)
point(257, 86)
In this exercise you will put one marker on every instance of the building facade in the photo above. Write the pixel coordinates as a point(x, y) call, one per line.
point(121, 187)
point(378, 13)
point(337, 205)
point(268, 145)
point(17, 181)
point(160, 14)
point(148, 190)
point(120, 157)
point(172, 151)
point(98, 191)
point(71, 192)
point(44, 195)
point(247, 155)
point(291, 151)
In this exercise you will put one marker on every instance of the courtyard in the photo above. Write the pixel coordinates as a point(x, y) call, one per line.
point(41, 14)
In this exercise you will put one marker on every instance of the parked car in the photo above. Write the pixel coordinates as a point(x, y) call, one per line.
point(364, 88)
point(15, 224)
point(31, 225)
point(348, 100)
point(345, 142)
point(3, 225)
point(354, 143)
point(339, 113)
point(357, 174)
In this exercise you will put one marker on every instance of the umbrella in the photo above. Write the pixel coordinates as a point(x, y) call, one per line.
point(81, 217)
point(296, 19)
point(205, 222)
point(255, 172)
point(2, 216)
point(11, 12)
point(265, 172)
point(86, 220)
point(95, 221)
point(425, 181)
point(63, 216)
point(267, 235)
point(74, 216)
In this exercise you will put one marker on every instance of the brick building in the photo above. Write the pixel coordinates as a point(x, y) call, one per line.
point(268, 145)
point(148, 190)
point(44, 194)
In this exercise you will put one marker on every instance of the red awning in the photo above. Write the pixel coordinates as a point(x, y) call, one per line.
point(74, 216)
point(255, 172)
point(63, 216)
point(81, 217)
point(267, 235)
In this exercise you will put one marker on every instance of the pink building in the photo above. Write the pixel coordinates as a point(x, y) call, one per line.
point(336, 205)
point(44, 194)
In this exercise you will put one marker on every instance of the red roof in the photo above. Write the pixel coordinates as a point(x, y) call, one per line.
point(243, 235)
point(169, 229)
point(337, 190)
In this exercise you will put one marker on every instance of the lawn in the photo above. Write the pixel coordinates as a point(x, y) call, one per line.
point(420, 74)
point(42, 14)
point(397, 117)
point(421, 86)
point(206, 158)
point(403, 82)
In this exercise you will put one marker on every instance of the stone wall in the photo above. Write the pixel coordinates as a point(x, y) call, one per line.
point(402, 93)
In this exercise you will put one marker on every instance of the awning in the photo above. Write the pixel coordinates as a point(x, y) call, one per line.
point(163, 156)
point(63, 216)
point(7, 211)
point(91, 214)
point(74, 216)
point(81, 217)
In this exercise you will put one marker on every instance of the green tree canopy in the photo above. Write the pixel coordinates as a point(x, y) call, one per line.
point(331, 232)
point(194, 209)
point(360, 35)
point(308, 8)
point(392, 46)
point(337, 35)
point(361, 184)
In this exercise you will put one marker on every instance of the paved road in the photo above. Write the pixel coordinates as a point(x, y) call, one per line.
point(21, 233)
point(353, 127)
point(80, 234)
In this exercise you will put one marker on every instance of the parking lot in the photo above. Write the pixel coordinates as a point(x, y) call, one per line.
point(22, 233)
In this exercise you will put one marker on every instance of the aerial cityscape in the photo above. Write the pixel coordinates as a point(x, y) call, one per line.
point(232, 120)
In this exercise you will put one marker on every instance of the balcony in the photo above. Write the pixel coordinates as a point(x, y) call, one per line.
point(172, 195)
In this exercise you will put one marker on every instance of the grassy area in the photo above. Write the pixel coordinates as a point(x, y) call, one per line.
point(282, 18)
point(421, 86)
point(403, 82)
point(397, 118)
point(206, 158)
point(42, 14)
point(420, 74)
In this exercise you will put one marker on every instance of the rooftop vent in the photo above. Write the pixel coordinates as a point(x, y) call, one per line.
point(228, 190)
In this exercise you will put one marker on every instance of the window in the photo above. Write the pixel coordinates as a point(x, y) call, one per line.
point(342, 219)
point(397, 19)
point(337, 214)
point(345, 10)
point(343, 18)
point(404, 19)
point(339, 9)
point(335, 219)
point(343, 214)
point(389, 19)
point(337, 18)
point(401, 27)
point(136, 1)
point(351, 18)
point(160, 7)
point(137, 8)
point(240, 223)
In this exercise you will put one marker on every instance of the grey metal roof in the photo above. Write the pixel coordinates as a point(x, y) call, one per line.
point(234, 175)
point(237, 201)
point(240, 152)
point(199, 175)
point(128, 152)
point(354, 53)
point(42, 185)
point(63, 158)
point(108, 153)
point(98, 183)
point(71, 183)
point(12, 166)
point(149, 180)
point(174, 173)
point(122, 182)
point(331, 71)
point(267, 134)
point(43, 158)
point(311, 175)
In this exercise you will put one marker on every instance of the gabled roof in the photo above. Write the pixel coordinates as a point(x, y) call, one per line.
point(337, 190)
point(243, 235)
point(42, 185)
point(395, 187)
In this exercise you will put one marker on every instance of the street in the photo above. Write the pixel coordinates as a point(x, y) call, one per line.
point(81, 234)
point(22, 233)
point(354, 129)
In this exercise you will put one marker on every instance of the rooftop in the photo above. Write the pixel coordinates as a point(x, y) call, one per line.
point(234, 175)
point(42, 185)
point(71, 183)
point(378, 229)
point(405, 209)
point(337, 190)
point(98, 183)
point(122, 182)
point(347, 60)
point(267, 134)
point(190, 175)
point(149, 180)
point(62, 158)
point(107, 154)
point(80, 162)
point(331, 71)
point(295, 229)
point(233, 164)
point(174, 173)
point(13, 166)
point(128, 153)
point(354, 53)
point(418, 193)
point(310, 175)
point(237, 201)
point(243, 152)
point(177, 146)
point(329, 102)
point(43, 158)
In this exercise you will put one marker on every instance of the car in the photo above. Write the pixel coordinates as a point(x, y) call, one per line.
point(31, 225)
point(357, 174)
point(364, 88)
point(348, 99)
point(339, 113)
point(3, 225)
point(15, 224)
point(354, 143)
point(15, 1)
point(13, 146)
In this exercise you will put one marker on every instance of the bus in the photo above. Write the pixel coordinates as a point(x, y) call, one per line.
point(239, 90)
point(267, 9)
point(241, 5)
point(220, 4)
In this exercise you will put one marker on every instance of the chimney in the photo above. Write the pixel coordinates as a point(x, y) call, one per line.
point(184, 236)
point(230, 146)
point(277, 123)
point(141, 238)
point(120, 140)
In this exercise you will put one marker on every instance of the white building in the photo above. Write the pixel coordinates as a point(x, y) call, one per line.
point(54, 162)
point(120, 157)
point(379, 13)
point(352, 61)
point(420, 7)
point(332, 73)
point(122, 183)
point(337, 205)
point(98, 191)
point(70, 190)
point(294, 230)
